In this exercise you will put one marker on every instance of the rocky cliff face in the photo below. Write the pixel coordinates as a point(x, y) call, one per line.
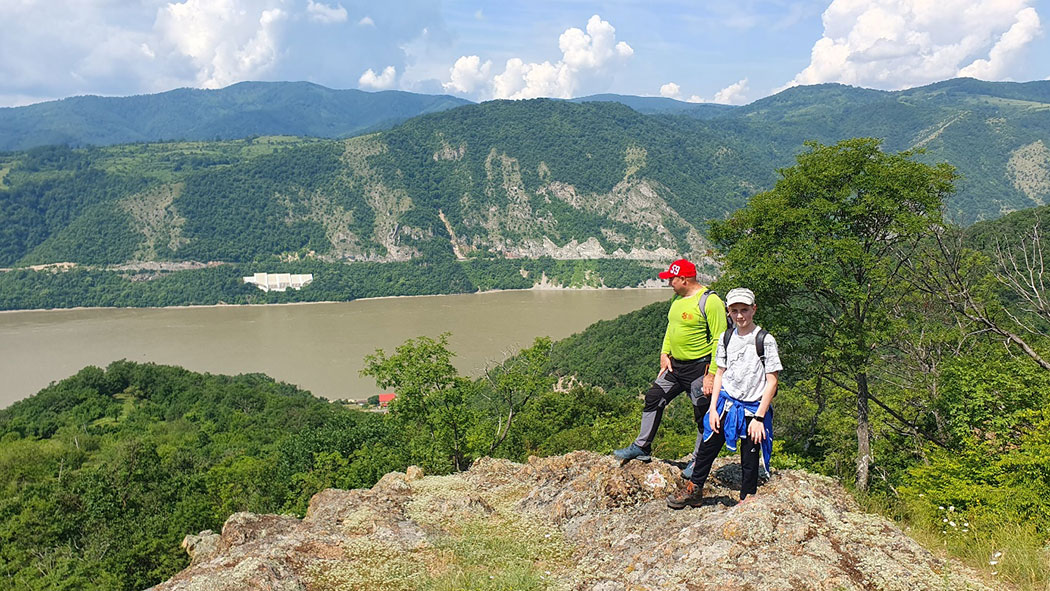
point(579, 521)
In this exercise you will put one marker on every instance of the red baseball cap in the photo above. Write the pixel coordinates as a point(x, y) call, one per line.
point(679, 268)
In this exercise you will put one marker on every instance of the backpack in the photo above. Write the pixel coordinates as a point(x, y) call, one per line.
point(760, 347)
point(707, 327)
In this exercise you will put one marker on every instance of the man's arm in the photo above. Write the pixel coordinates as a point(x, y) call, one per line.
point(665, 352)
point(716, 323)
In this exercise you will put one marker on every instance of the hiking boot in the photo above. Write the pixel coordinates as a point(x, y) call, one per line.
point(687, 472)
point(633, 452)
point(690, 496)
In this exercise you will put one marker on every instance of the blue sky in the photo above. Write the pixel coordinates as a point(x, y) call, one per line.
point(729, 51)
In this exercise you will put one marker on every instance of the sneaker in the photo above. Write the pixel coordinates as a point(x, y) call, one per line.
point(633, 452)
point(687, 472)
point(690, 496)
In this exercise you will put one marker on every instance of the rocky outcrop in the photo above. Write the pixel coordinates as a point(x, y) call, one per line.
point(579, 521)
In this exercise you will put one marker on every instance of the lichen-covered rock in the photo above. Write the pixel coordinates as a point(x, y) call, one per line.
point(579, 521)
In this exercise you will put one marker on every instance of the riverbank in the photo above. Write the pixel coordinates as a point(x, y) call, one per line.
point(80, 288)
point(653, 284)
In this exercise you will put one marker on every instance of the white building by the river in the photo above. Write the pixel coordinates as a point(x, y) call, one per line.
point(278, 281)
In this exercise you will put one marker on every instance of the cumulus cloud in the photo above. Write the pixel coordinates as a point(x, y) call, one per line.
point(585, 55)
point(378, 81)
point(468, 74)
point(893, 44)
point(324, 13)
point(670, 90)
point(734, 94)
point(1024, 31)
point(226, 41)
point(109, 47)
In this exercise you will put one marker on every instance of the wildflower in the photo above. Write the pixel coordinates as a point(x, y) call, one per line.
point(941, 507)
point(945, 520)
point(951, 507)
point(952, 523)
point(993, 562)
point(997, 555)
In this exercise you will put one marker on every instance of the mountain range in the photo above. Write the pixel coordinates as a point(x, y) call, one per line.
point(600, 177)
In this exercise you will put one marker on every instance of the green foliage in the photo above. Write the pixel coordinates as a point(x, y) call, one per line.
point(242, 110)
point(822, 253)
point(86, 286)
point(431, 401)
point(102, 474)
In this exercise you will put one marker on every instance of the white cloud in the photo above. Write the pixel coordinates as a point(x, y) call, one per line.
point(323, 13)
point(696, 98)
point(585, 56)
point(734, 94)
point(468, 74)
point(1012, 41)
point(122, 47)
point(893, 44)
point(227, 40)
point(670, 90)
point(378, 81)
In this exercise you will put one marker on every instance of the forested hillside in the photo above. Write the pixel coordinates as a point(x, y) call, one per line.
point(238, 111)
point(499, 180)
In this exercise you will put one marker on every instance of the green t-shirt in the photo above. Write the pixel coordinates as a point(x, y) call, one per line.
point(686, 337)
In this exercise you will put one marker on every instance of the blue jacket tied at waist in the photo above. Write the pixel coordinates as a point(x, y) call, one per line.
point(734, 423)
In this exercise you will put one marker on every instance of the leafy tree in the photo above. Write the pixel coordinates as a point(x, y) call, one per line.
point(431, 400)
point(822, 250)
point(513, 384)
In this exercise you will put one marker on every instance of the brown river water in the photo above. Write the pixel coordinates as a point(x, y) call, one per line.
point(319, 347)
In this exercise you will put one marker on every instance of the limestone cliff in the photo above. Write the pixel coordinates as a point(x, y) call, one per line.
point(578, 521)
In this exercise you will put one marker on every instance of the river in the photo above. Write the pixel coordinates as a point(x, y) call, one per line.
point(319, 347)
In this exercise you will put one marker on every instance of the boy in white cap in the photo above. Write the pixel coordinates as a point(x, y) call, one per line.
point(745, 382)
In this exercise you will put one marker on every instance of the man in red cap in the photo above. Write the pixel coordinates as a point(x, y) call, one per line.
point(694, 322)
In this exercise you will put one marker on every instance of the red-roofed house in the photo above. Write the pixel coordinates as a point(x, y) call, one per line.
point(384, 399)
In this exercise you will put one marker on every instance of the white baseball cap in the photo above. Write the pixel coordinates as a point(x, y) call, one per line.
point(740, 295)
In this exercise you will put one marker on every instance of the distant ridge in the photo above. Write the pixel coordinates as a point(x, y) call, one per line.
point(658, 105)
point(241, 110)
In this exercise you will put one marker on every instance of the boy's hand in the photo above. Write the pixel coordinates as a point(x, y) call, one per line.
point(756, 431)
point(712, 419)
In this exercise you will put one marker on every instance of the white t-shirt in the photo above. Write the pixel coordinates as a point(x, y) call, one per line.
point(745, 376)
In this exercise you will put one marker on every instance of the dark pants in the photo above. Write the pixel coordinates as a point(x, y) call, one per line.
point(685, 376)
point(749, 454)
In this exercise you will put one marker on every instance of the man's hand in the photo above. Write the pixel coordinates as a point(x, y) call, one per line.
point(756, 430)
point(709, 384)
point(712, 419)
point(665, 364)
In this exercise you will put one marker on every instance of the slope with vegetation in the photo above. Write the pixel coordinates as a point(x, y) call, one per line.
point(519, 180)
point(242, 110)
point(128, 459)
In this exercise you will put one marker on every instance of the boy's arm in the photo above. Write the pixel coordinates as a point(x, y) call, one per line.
point(756, 430)
point(712, 411)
